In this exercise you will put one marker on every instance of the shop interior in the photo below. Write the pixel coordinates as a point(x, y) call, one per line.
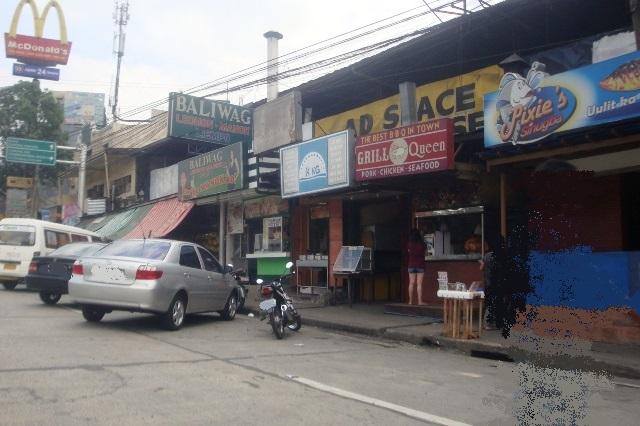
point(201, 226)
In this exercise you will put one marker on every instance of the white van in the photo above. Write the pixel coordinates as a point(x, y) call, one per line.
point(21, 239)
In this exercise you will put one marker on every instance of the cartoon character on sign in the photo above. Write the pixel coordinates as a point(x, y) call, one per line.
point(233, 170)
point(186, 188)
point(517, 92)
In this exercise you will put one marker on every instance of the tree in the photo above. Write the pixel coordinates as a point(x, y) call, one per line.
point(28, 112)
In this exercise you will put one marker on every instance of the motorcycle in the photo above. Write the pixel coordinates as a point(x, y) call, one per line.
point(243, 282)
point(277, 305)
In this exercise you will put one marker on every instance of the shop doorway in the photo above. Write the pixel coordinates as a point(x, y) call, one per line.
point(378, 224)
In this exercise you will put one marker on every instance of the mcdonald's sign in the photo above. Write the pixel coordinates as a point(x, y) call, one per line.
point(38, 50)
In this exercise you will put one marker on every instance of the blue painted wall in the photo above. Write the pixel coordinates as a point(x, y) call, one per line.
point(579, 278)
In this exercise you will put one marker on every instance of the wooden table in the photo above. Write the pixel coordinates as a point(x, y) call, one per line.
point(459, 313)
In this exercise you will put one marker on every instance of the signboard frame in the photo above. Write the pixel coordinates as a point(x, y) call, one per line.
point(528, 109)
point(36, 71)
point(316, 162)
point(207, 181)
point(419, 148)
point(11, 155)
point(208, 120)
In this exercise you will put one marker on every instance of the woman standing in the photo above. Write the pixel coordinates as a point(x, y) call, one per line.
point(416, 249)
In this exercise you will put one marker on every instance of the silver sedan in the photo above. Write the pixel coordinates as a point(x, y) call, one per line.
point(166, 277)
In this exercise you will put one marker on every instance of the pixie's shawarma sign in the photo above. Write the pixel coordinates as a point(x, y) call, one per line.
point(528, 109)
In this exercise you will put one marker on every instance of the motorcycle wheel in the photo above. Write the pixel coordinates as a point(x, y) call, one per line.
point(296, 324)
point(275, 318)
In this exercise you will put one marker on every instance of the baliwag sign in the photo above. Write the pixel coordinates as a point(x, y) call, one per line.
point(37, 50)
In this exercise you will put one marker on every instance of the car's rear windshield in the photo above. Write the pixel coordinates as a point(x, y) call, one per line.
point(82, 249)
point(17, 235)
point(155, 250)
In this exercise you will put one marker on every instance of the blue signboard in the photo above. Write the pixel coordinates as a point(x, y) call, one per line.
point(317, 165)
point(528, 109)
point(35, 71)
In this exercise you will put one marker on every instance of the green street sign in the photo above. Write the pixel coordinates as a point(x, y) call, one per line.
point(30, 151)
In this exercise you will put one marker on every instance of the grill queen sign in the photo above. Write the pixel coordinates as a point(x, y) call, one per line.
point(207, 120)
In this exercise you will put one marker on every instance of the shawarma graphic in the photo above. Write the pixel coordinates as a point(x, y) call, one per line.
point(528, 110)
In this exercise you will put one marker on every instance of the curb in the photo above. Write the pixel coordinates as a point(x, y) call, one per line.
point(477, 349)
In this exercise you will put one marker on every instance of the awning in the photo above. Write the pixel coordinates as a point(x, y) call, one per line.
point(136, 217)
point(94, 223)
point(121, 223)
point(163, 218)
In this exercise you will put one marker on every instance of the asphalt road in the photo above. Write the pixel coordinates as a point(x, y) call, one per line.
point(57, 369)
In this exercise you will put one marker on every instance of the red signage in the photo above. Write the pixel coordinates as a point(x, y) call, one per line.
point(420, 148)
point(37, 50)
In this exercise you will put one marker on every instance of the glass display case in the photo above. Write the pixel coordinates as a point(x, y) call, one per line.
point(452, 234)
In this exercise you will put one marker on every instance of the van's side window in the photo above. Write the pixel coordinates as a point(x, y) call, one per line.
point(51, 239)
point(77, 238)
point(63, 238)
point(55, 239)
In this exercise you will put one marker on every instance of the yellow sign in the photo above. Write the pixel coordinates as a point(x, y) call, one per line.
point(39, 20)
point(19, 182)
point(460, 98)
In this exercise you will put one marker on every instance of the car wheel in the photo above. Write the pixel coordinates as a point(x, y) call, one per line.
point(50, 298)
point(9, 286)
point(174, 317)
point(230, 310)
point(92, 314)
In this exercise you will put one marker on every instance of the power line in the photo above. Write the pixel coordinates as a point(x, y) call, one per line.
point(281, 59)
point(136, 130)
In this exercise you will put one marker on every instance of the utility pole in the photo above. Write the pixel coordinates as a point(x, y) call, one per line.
point(121, 18)
point(84, 147)
point(635, 18)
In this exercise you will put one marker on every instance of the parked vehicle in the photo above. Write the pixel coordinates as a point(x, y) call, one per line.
point(166, 277)
point(278, 305)
point(22, 239)
point(243, 283)
point(49, 275)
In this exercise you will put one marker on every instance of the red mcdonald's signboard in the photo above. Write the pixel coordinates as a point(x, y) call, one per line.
point(419, 148)
point(37, 49)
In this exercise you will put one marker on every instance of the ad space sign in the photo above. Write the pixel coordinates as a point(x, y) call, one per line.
point(419, 148)
point(317, 165)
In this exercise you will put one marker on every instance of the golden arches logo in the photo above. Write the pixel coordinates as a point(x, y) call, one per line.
point(39, 20)
point(38, 50)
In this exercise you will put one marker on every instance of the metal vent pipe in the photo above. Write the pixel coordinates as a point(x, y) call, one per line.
point(272, 64)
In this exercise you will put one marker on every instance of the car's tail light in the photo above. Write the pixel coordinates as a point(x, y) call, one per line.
point(148, 272)
point(33, 267)
point(77, 268)
point(267, 291)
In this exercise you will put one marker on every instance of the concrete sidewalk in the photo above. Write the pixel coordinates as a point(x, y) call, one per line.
point(370, 320)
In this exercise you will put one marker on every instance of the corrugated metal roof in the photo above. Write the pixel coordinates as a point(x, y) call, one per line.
point(136, 217)
point(117, 222)
point(163, 218)
point(95, 223)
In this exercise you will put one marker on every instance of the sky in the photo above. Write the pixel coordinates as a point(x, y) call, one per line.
point(175, 45)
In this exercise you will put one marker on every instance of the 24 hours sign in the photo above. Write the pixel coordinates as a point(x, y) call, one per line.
point(416, 149)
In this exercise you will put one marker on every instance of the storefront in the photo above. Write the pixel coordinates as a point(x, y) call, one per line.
point(445, 208)
point(202, 180)
point(266, 236)
point(577, 162)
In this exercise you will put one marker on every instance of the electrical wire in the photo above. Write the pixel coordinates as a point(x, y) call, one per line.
point(136, 130)
point(281, 59)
